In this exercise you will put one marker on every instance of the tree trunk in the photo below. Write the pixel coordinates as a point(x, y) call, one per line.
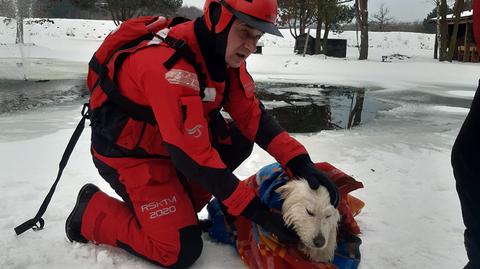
point(443, 30)
point(363, 14)
point(19, 17)
point(305, 47)
point(318, 42)
point(293, 28)
point(114, 18)
point(453, 39)
point(437, 41)
point(302, 21)
point(325, 39)
point(19, 36)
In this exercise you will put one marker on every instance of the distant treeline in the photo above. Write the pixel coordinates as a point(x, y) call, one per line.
point(48, 9)
point(66, 9)
point(418, 27)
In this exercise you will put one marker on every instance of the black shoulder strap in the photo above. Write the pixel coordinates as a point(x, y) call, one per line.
point(182, 50)
point(140, 112)
point(37, 222)
point(136, 111)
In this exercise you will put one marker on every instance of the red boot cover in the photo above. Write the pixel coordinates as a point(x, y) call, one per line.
point(104, 218)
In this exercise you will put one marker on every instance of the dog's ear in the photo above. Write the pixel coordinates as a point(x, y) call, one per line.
point(284, 190)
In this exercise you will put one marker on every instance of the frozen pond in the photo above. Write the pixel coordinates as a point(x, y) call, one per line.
point(304, 108)
point(300, 108)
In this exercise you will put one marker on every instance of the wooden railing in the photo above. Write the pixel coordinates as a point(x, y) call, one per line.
point(468, 53)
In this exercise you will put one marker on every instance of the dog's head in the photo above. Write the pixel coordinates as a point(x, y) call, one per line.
point(310, 214)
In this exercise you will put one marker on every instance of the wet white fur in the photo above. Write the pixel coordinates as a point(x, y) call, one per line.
point(298, 197)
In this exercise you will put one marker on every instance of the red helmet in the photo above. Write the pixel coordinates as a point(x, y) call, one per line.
point(259, 14)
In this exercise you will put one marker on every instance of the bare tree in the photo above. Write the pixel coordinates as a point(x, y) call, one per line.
point(361, 14)
point(121, 10)
point(442, 9)
point(453, 40)
point(23, 9)
point(319, 19)
point(437, 40)
point(382, 18)
point(443, 30)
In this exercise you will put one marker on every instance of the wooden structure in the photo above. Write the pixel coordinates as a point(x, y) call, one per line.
point(335, 47)
point(300, 44)
point(466, 49)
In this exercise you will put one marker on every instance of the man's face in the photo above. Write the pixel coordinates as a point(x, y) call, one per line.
point(242, 41)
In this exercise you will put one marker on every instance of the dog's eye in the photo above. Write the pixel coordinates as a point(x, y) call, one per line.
point(310, 213)
point(328, 216)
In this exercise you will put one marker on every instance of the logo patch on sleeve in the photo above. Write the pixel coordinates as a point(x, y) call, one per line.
point(183, 78)
point(195, 131)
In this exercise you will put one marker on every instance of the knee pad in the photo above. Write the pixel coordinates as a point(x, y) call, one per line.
point(191, 245)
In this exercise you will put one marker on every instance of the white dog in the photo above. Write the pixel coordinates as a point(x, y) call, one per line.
point(312, 216)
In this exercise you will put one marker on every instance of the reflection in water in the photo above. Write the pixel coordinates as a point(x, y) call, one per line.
point(312, 108)
point(356, 111)
point(304, 118)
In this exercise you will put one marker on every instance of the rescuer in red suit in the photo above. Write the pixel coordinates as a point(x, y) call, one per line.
point(166, 171)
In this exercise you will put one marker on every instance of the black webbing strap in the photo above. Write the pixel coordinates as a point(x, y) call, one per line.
point(136, 111)
point(37, 222)
point(99, 69)
point(182, 50)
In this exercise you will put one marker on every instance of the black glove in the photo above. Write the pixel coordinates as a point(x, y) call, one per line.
point(271, 221)
point(301, 166)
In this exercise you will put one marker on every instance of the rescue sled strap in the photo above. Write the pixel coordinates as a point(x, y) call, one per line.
point(37, 223)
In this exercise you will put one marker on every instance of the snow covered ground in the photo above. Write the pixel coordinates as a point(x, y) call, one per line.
point(412, 217)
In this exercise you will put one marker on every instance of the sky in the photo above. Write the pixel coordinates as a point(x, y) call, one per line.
point(401, 10)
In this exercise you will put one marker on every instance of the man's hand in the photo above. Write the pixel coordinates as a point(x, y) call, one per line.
point(304, 168)
point(271, 221)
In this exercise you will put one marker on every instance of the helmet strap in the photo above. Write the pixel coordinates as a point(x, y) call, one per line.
point(214, 15)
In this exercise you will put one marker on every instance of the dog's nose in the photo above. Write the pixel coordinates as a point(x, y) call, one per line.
point(319, 241)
